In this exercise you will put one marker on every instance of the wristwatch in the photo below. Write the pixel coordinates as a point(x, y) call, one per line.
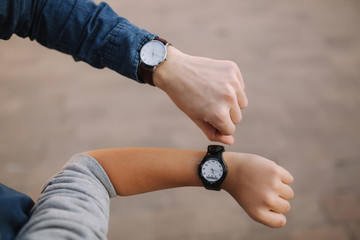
point(212, 169)
point(151, 55)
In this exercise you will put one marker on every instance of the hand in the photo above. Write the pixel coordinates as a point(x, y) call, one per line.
point(260, 186)
point(210, 92)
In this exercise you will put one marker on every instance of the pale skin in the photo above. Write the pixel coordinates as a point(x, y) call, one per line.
point(210, 92)
point(260, 186)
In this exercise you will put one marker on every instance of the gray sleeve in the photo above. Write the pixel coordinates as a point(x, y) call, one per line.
point(74, 204)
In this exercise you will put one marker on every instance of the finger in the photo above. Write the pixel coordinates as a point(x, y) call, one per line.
point(280, 205)
point(213, 134)
point(286, 192)
point(286, 177)
point(239, 77)
point(235, 114)
point(275, 220)
point(242, 98)
point(240, 90)
point(271, 218)
point(227, 139)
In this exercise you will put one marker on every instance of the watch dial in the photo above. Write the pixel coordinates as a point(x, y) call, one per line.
point(153, 53)
point(212, 170)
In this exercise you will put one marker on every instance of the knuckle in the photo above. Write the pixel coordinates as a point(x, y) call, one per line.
point(231, 66)
point(274, 168)
point(275, 184)
point(220, 116)
point(228, 93)
point(269, 200)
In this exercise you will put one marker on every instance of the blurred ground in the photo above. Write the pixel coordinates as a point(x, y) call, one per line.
point(301, 65)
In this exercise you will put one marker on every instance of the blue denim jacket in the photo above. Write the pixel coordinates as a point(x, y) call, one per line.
point(90, 32)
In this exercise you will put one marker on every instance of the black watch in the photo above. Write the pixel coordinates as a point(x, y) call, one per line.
point(212, 169)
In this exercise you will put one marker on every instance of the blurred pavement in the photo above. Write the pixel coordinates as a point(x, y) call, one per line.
point(301, 65)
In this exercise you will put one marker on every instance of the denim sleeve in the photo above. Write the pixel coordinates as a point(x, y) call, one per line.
point(14, 211)
point(90, 32)
point(74, 204)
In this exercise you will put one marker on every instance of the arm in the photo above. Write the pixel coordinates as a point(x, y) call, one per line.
point(259, 185)
point(74, 204)
point(210, 92)
point(83, 188)
point(89, 32)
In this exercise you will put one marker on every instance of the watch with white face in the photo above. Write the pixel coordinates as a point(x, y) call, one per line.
point(212, 169)
point(152, 54)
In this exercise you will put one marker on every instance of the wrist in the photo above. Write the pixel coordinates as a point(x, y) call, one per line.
point(234, 162)
point(164, 76)
point(228, 158)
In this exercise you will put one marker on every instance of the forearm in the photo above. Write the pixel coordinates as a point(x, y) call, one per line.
point(90, 32)
point(140, 170)
point(259, 185)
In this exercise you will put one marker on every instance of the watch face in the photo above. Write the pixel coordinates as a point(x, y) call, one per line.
point(212, 170)
point(153, 53)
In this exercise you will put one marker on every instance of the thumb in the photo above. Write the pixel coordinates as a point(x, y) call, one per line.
point(214, 134)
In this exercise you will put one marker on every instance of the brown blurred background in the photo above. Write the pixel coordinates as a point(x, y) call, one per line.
point(301, 65)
